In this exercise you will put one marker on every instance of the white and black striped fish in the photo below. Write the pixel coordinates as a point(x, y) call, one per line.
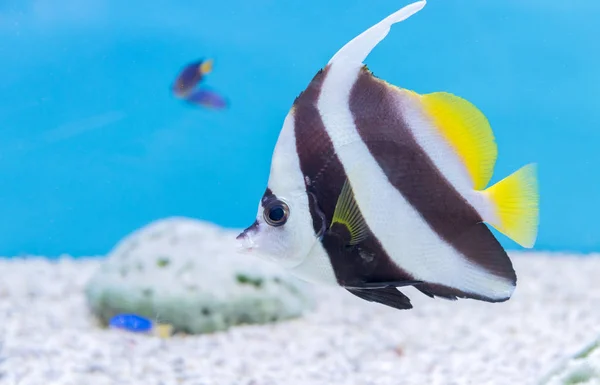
point(374, 187)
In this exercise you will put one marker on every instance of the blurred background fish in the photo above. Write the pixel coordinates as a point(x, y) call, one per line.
point(207, 98)
point(186, 86)
point(190, 76)
point(138, 324)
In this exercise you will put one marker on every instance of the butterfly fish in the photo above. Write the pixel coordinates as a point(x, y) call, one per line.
point(374, 187)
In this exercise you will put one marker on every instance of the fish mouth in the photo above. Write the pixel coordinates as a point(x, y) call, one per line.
point(246, 241)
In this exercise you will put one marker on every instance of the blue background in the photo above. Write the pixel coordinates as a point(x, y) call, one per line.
point(93, 145)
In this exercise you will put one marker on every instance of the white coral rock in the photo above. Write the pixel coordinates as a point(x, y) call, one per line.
point(187, 273)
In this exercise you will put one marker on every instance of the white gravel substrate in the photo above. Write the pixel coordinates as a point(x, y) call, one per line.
point(50, 338)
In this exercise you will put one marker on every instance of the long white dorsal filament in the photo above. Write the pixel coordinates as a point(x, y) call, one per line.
point(357, 49)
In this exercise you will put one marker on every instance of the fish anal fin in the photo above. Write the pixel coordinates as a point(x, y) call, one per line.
point(451, 294)
point(488, 274)
point(382, 285)
point(389, 296)
point(468, 132)
point(347, 213)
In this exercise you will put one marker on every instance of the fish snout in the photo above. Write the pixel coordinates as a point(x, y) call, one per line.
point(246, 239)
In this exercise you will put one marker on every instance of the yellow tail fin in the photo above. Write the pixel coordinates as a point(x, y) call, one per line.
point(516, 203)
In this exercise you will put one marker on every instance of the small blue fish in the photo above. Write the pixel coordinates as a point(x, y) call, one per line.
point(131, 322)
point(139, 324)
point(207, 98)
point(190, 76)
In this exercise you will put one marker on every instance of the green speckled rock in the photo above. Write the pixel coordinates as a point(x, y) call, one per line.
point(187, 273)
point(581, 369)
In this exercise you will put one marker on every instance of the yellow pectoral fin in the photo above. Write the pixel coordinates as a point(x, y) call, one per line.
point(468, 132)
point(348, 214)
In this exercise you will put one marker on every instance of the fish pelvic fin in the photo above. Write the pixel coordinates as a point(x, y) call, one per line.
point(357, 49)
point(389, 296)
point(467, 130)
point(515, 200)
point(348, 214)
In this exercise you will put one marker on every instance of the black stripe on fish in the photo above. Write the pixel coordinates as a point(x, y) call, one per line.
point(324, 178)
point(267, 196)
point(379, 122)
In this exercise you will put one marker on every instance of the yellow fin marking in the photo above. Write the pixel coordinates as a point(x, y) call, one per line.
point(468, 131)
point(348, 214)
point(516, 202)
point(164, 330)
point(206, 66)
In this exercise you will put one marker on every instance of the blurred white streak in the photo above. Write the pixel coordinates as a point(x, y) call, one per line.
point(60, 133)
point(79, 127)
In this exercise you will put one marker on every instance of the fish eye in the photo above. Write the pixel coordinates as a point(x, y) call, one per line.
point(276, 213)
